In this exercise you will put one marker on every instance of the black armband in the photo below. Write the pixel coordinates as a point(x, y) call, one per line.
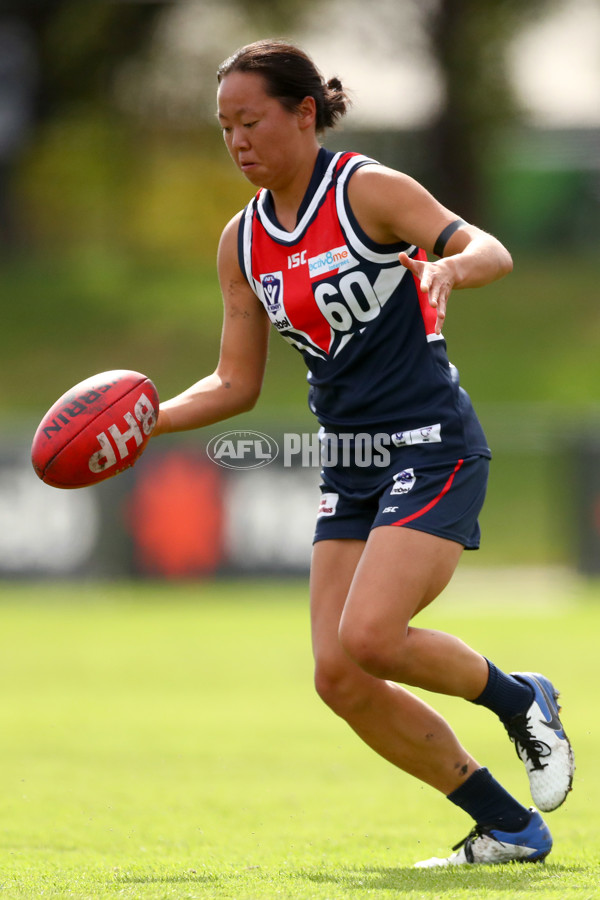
point(445, 235)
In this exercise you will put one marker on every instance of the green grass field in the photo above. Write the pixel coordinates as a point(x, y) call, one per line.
point(164, 741)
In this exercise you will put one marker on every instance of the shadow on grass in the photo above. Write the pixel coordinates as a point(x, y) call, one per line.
point(189, 876)
point(509, 878)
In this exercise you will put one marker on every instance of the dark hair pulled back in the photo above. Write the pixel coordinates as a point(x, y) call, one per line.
point(290, 75)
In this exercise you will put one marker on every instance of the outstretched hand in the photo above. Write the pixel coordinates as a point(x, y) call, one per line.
point(435, 280)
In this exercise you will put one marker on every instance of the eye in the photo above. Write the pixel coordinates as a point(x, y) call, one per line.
point(249, 124)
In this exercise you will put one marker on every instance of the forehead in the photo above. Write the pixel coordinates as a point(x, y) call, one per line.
point(240, 92)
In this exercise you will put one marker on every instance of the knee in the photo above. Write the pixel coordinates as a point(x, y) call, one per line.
point(341, 686)
point(376, 650)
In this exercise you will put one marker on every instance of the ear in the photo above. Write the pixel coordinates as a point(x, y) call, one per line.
point(307, 113)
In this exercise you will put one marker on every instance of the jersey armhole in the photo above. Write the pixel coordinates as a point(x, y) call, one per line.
point(398, 246)
point(240, 245)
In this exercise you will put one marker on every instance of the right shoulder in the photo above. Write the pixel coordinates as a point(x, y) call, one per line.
point(231, 230)
point(234, 283)
point(228, 252)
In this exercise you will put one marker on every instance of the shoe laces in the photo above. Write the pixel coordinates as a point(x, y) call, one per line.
point(478, 831)
point(519, 731)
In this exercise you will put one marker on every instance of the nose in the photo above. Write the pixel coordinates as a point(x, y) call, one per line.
point(239, 138)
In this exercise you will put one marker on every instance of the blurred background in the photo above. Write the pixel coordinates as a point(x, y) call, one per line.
point(115, 186)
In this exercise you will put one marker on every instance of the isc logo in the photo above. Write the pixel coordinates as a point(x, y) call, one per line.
point(296, 259)
point(105, 457)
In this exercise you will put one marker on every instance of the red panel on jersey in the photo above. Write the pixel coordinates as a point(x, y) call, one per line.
point(428, 312)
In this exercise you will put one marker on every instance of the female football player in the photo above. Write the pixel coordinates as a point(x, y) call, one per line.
point(333, 251)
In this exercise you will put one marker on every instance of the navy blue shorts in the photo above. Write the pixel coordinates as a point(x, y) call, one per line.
point(444, 500)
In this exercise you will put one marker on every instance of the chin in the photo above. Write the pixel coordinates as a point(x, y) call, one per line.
point(254, 179)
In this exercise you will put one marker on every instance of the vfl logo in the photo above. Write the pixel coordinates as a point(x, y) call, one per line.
point(404, 482)
point(105, 457)
point(272, 285)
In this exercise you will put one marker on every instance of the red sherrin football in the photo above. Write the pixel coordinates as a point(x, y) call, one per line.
point(97, 429)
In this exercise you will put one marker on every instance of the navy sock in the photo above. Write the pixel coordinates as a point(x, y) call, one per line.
point(486, 801)
point(504, 694)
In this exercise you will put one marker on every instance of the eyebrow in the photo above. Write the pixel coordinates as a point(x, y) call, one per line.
point(243, 111)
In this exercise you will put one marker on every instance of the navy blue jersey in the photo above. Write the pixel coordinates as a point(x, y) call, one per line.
point(359, 319)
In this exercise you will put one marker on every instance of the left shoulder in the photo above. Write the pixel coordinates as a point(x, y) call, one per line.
point(393, 206)
point(375, 181)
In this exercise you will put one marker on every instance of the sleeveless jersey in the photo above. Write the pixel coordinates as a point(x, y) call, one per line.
point(359, 319)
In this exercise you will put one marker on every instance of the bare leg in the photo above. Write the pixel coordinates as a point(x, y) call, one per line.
point(400, 572)
point(397, 725)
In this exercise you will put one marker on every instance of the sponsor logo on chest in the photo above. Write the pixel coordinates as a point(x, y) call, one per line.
point(336, 260)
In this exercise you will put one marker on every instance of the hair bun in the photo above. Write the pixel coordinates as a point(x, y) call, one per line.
point(290, 75)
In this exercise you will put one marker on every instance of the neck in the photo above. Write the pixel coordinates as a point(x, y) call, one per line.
point(287, 199)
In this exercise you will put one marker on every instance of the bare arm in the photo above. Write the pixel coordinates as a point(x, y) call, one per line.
point(391, 206)
point(235, 385)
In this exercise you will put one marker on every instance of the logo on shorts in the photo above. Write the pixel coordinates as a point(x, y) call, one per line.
point(328, 505)
point(404, 482)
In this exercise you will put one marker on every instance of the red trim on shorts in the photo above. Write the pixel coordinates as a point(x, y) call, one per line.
point(432, 503)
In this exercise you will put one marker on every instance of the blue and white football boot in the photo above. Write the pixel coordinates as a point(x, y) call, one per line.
point(542, 745)
point(486, 845)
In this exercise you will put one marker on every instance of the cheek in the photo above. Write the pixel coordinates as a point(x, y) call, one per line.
point(227, 142)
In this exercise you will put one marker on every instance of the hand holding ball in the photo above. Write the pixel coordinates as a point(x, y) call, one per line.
point(95, 430)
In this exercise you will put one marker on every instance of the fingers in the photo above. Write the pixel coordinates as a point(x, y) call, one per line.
point(441, 317)
point(433, 281)
point(438, 299)
point(413, 265)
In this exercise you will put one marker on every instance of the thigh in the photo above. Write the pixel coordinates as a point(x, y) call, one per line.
point(401, 571)
point(333, 566)
point(343, 684)
point(415, 529)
